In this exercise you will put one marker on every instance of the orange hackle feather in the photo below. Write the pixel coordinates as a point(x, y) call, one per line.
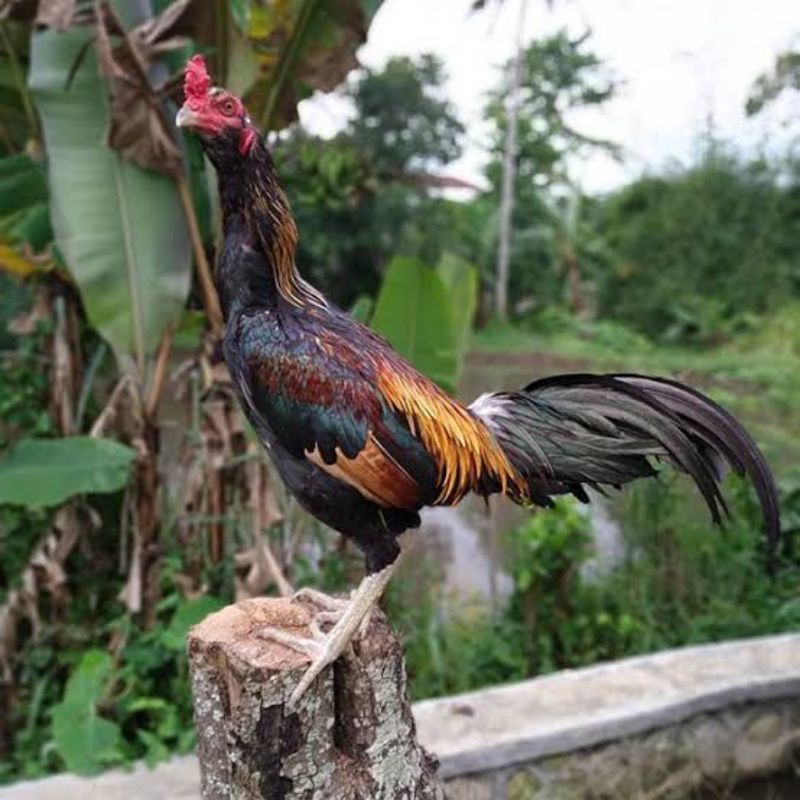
point(467, 456)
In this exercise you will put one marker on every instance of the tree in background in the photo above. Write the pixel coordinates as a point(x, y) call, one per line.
point(699, 251)
point(559, 76)
point(784, 75)
point(509, 169)
point(403, 124)
point(367, 194)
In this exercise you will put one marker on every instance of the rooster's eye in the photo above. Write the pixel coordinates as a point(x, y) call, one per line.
point(228, 107)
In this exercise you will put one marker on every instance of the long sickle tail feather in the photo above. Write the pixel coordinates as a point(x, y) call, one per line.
point(569, 431)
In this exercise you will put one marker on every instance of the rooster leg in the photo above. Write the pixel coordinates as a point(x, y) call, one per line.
point(325, 648)
point(333, 609)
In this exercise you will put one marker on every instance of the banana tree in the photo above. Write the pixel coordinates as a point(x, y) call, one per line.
point(123, 191)
point(96, 186)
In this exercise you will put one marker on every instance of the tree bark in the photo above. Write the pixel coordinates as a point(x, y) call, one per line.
point(352, 736)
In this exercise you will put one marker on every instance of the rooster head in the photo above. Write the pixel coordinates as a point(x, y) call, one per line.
point(212, 112)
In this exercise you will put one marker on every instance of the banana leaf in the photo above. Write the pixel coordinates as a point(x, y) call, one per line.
point(285, 50)
point(120, 229)
point(45, 472)
point(460, 279)
point(413, 312)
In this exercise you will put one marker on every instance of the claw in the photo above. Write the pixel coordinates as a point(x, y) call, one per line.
point(329, 617)
point(315, 626)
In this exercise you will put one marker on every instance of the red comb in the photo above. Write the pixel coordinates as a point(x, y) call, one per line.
point(196, 81)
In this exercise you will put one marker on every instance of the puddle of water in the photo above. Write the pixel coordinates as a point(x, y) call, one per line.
point(607, 541)
point(467, 542)
point(472, 568)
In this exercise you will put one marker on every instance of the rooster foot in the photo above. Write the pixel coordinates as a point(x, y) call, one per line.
point(348, 616)
point(314, 597)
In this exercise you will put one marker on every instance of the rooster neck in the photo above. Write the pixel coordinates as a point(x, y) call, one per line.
point(255, 211)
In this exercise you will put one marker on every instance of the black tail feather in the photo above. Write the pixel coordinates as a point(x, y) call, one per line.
point(567, 431)
point(722, 434)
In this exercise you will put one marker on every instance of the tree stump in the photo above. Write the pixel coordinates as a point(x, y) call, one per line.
point(352, 736)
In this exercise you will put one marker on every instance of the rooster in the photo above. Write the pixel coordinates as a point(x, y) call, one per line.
point(364, 441)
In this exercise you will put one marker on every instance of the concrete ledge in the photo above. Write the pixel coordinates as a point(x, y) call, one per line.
point(176, 779)
point(519, 723)
point(575, 709)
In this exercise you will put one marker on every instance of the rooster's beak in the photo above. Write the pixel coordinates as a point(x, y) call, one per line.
point(186, 118)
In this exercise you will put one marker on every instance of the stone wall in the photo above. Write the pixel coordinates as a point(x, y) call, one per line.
point(713, 753)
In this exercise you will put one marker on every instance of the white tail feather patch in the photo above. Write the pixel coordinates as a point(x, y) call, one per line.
point(490, 406)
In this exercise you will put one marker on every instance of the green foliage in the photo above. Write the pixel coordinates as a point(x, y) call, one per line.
point(330, 175)
point(680, 583)
point(85, 740)
point(187, 614)
point(547, 546)
point(24, 213)
point(46, 472)
point(427, 314)
point(152, 700)
point(413, 312)
point(402, 122)
point(281, 52)
point(16, 110)
point(23, 382)
point(544, 556)
point(460, 281)
point(23, 412)
point(785, 74)
point(362, 309)
point(121, 229)
point(364, 196)
point(778, 334)
point(550, 236)
point(697, 251)
point(453, 652)
point(559, 75)
point(114, 692)
point(685, 582)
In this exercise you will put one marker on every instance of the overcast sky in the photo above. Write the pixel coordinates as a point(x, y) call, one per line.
point(682, 62)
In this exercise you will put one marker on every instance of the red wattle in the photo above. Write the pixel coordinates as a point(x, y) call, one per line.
point(246, 140)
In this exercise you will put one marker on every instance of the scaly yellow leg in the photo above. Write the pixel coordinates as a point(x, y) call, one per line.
point(325, 648)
